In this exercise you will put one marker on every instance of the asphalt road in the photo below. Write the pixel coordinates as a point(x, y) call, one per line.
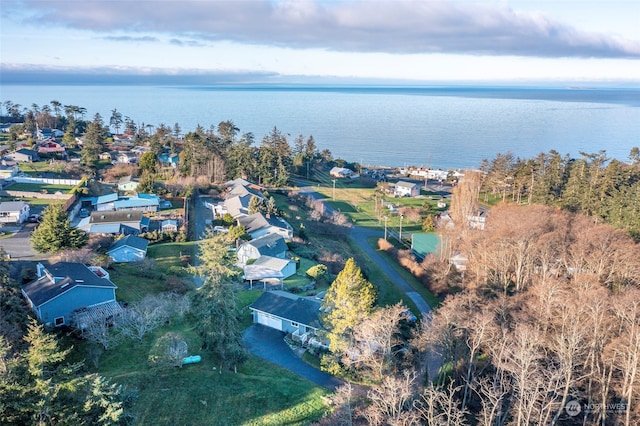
point(18, 246)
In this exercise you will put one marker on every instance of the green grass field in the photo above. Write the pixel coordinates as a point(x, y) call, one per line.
point(40, 187)
point(199, 394)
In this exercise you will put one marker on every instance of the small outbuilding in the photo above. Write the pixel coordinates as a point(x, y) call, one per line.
point(128, 249)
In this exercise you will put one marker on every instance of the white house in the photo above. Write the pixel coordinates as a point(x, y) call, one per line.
point(406, 189)
point(341, 172)
point(14, 211)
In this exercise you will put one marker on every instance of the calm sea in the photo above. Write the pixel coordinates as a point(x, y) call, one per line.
point(394, 126)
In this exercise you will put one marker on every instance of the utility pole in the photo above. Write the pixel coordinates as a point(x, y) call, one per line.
point(385, 227)
point(334, 189)
point(400, 237)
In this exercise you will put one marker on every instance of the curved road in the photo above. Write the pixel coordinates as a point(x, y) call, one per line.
point(360, 236)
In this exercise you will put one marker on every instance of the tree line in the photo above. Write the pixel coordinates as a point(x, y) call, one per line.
point(593, 184)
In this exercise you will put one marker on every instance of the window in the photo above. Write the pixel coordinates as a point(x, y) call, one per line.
point(59, 321)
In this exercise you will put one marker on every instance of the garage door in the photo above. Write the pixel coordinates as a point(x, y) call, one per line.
point(270, 321)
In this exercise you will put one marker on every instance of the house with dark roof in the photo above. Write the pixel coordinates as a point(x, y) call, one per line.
point(258, 225)
point(65, 289)
point(269, 245)
point(288, 312)
point(128, 249)
point(115, 222)
point(24, 155)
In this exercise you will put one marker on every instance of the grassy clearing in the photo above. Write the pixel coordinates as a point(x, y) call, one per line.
point(40, 187)
point(200, 394)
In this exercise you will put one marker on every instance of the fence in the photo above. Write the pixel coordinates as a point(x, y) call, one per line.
point(50, 181)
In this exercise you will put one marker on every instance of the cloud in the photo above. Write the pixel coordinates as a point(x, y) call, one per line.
point(403, 26)
point(42, 74)
point(132, 39)
point(190, 43)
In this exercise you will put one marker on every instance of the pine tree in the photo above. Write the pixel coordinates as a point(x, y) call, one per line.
point(55, 233)
point(348, 301)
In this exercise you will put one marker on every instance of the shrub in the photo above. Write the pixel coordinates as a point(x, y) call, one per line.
point(317, 271)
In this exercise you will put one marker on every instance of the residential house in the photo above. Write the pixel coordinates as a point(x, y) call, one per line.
point(269, 269)
point(289, 313)
point(64, 289)
point(128, 249)
point(269, 245)
point(144, 202)
point(8, 169)
point(169, 225)
point(258, 225)
point(24, 155)
point(169, 160)
point(127, 184)
point(406, 189)
point(14, 211)
point(115, 222)
point(125, 157)
point(123, 138)
point(47, 133)
point(51, 147)
point(107, 156)
point(104, 202)
point(341, 172)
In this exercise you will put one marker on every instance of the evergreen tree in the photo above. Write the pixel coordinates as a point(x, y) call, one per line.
point(55, 232)
point(348, 301)
point(92, 145)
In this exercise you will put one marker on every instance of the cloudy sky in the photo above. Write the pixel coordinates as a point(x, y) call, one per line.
point(273, 40)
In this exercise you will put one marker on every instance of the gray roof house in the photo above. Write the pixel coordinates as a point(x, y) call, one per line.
point(258, 225)
point(127, 183)
point(24, 155)
point(110, 222)
point(287, 312)
point(128, 249)
point(14, 211)
point(269, 245)
point(63, 290)
point(406, 189)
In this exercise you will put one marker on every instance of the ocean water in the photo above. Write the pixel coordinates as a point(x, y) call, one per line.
point(440, 127)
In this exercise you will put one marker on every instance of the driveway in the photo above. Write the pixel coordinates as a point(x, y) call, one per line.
point(268, 344)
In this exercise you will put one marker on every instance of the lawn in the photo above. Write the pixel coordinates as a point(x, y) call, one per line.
point(40, 187)
point(198, 394)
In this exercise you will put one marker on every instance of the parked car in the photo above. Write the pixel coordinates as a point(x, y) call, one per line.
point(84, 213)
point(34, 218)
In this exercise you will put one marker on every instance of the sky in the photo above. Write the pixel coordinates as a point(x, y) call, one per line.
point(258, 41)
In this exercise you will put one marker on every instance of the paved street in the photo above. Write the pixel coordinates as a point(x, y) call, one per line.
point(18, 246)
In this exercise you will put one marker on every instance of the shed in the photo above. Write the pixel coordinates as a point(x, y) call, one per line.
point(128, 249)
